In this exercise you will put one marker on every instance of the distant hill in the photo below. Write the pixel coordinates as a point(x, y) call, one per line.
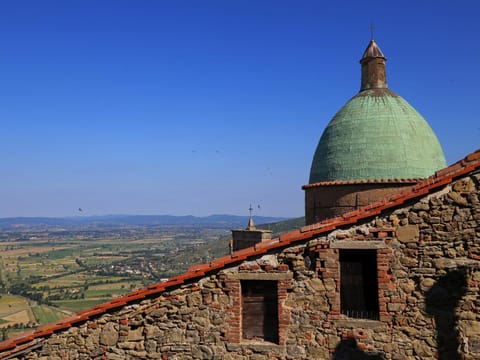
point(232, 221)
point(283, 226)
point(219, 247)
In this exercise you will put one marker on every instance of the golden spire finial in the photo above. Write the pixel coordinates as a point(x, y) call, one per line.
point(372, 28)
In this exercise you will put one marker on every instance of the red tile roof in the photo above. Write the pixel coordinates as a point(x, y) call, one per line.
point(441, 178)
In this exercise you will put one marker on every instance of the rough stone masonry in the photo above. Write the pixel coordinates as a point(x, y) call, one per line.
point(428, 274)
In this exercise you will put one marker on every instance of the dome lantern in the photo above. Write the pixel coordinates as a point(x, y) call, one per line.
point(373, 68)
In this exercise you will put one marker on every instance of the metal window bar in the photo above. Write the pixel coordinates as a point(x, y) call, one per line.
point(361, 314)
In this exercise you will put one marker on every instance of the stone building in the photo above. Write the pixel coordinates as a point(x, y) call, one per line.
point(398, 278)
point(374, 146)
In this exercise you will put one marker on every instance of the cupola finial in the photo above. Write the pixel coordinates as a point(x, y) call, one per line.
point(373, 67)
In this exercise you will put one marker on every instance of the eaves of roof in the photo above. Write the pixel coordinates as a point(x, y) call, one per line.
point(356, 182)
point(27, 340)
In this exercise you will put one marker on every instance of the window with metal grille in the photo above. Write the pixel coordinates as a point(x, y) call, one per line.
point(359, 283)
point(259, 310)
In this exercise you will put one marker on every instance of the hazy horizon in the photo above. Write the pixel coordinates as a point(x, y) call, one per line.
point(133, 215)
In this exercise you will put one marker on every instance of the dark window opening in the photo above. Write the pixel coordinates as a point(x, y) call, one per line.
point(259, 310)
point(359, 284)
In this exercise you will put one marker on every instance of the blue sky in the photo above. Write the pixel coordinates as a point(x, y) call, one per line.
point(203, 107)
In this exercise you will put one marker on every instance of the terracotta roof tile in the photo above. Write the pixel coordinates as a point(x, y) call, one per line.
point(264, 245)
point(439, 179)
point(351, 214)
point(473, 156)
point(397, 196)
point(242, 254)
point(448, 170)
point(23, 339)
point(289, 236)
point(111, 305)
point(90, 312)
point(131, 298)
point(199, 268)
point(325, 227)
point(7, 345)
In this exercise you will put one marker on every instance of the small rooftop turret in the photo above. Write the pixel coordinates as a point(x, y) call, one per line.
point(250, 236)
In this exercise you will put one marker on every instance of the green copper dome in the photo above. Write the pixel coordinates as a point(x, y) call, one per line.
point(376, 135)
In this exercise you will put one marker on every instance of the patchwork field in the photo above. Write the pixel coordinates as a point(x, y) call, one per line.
point(18, 313)
point(45, 275)
point(15, 310)
point(47, 314)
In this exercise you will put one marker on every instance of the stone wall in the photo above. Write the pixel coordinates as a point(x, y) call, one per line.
point(428, 276)
point(331, 200)
point(246, 238)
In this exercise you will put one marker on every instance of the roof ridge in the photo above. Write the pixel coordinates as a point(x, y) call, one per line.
point(441, 178)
